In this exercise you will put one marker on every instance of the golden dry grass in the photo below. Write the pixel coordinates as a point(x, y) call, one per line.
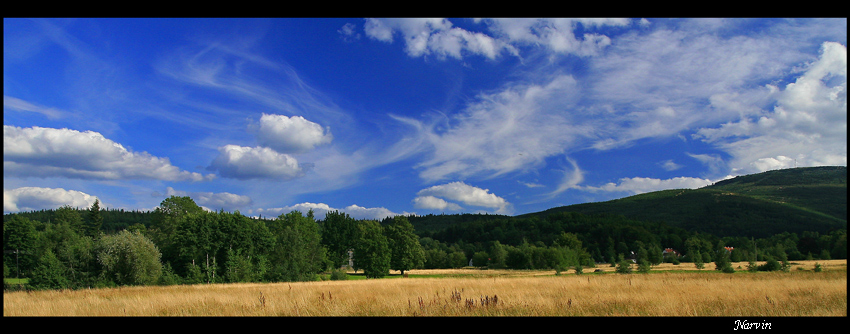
point(473, 293)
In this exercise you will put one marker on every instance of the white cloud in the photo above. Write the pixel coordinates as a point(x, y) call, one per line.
point(243, 163)
point(321, 209)
point(36, 198)
point(431, 202)
point(462, 192)
point(214, 201)
point(639, 185)
point(347, 32)
point(571, 179)
point(48, 152)
point(17, 104)
point(291, 134)
point(513, 129)
point(557, 34)
point(669, 165)
point(807, 126)
point(424, 36)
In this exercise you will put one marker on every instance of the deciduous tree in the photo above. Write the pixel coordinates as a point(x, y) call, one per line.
point(405, 251)
point(372, 251)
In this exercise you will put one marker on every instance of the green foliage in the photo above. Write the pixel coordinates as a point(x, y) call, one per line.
point(624, 267)
point(50, 273)
point(644, 266)
point(19, 245)
point(770, 265)
point(129, 259)
point(698, 260)
point(298, 254)
point(94, 220)
point(405, 251)
point(497, 256)
point(339, 235)
point(722, 260)
point(758, 205)
point(372, 250)
point(338, 275)
point(480, 259)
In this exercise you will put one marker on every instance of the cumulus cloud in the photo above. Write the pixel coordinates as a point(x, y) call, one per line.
point(291, 134)
point(431, 202)
point(320, 210)
point(806, 127)
point(240, 162)
point(48, 152)
point(214, 201)
point(462, 192)
point(36, 198)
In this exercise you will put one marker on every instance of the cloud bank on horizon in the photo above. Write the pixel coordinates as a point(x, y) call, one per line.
point(382, 116)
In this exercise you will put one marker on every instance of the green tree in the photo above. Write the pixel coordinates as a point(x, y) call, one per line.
point(166, 220)
point(697, 258)
point(644, 266)
point(372, 250)
point(74, 250)
point(19, 245)
point(722, 259)
point(339, 235)
point(624, 266)
point(238, 268)
point(479, 259)
point(70, 217)
point(49, 273)
point(94, 220)
point(405, 251)
point(298, 254)
point(497, 255)
point(129, 258)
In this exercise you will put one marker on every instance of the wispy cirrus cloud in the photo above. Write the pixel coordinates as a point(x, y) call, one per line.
point(16, 104)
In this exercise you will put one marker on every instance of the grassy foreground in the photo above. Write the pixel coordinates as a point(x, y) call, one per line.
point(664, 292)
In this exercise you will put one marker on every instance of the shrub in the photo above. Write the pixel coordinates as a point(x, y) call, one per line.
point(338, 275)
point(624, 267)
point(771, 265)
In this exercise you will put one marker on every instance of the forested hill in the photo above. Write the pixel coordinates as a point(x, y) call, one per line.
point(756, 205)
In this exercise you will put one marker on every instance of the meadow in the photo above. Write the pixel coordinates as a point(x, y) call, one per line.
point(669, 290)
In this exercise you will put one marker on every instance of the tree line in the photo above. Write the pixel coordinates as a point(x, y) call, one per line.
point(181, 243)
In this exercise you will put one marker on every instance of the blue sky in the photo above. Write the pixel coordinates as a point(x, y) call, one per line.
point(378, 117)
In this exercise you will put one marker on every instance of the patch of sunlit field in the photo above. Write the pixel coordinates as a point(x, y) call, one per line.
point(474, 292)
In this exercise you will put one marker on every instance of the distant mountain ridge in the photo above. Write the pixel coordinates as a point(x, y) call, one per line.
point(757, 205)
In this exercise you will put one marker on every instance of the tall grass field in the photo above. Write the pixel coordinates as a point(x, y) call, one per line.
point(666, 291)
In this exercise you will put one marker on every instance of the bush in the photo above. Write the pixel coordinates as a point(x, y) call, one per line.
point(771, 265)
point(338, 275)
point(644, 266)
point(624, 267)
point(818, 267)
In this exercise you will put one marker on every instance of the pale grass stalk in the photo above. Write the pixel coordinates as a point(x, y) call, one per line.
point(485, 293)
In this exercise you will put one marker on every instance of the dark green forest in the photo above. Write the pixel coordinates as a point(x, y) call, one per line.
point(776, 216)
